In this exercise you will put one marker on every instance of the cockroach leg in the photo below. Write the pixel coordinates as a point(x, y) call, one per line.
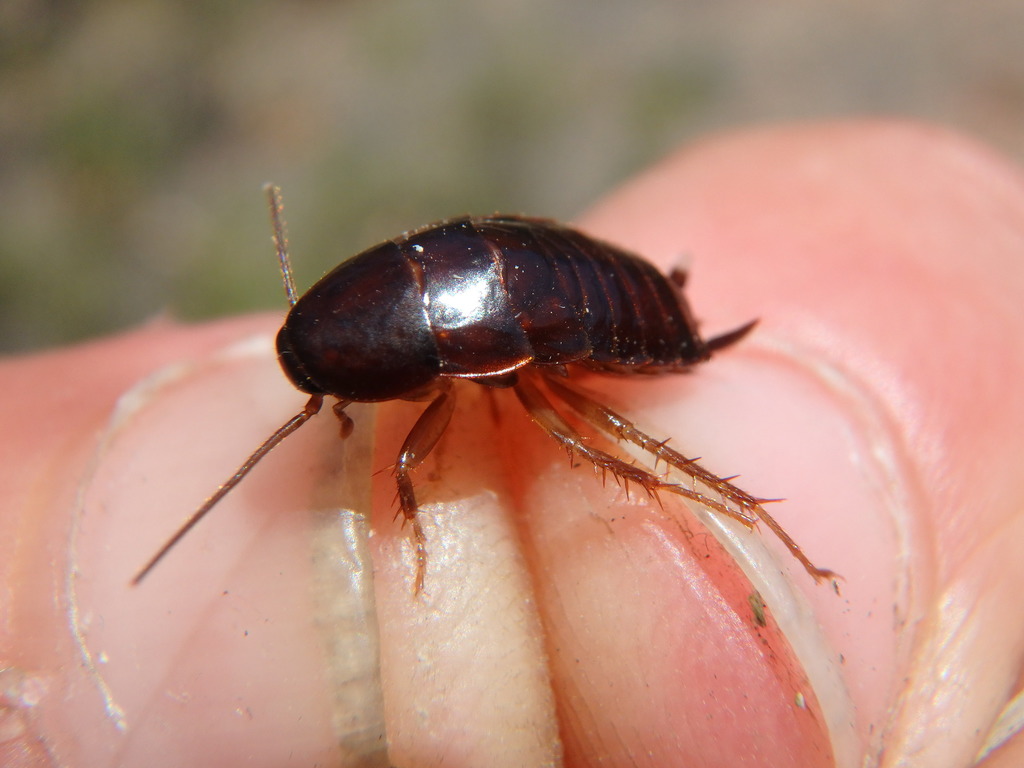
point(344, 419)
point(547, 418)
point(678, 277)
point(747, 510)
point(621, 428)
point(417, 446)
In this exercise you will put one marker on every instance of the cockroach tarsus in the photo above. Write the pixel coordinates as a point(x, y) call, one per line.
point(507, 302)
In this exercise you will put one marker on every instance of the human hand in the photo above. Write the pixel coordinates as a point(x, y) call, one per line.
point(878, 395)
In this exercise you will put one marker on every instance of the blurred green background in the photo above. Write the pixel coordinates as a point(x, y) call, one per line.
point(135, 134)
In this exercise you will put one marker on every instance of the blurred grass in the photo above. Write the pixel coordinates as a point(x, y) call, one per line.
point(135, 134)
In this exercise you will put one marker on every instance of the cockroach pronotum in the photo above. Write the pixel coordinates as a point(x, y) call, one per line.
point(506, 302)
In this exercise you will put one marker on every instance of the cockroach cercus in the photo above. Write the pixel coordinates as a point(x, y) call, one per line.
point(505, 302)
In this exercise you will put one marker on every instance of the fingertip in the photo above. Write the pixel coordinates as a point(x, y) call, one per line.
point(884, 259)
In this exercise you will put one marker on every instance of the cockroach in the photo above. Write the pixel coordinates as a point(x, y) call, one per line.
point(506, 302)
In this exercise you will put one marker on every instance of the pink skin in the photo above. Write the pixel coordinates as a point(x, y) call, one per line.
point(879, 394)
